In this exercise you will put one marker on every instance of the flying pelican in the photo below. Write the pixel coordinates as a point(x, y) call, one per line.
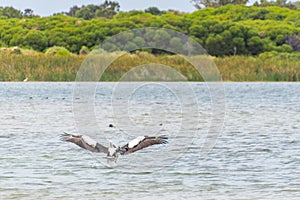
point(112, 151)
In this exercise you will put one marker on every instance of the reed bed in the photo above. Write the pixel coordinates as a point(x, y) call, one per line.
point(41, 67)
point(243, 68)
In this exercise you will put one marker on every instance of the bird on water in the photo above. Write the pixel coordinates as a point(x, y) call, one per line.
point(112, 151)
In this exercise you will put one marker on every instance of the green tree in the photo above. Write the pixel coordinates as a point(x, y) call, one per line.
point(239, 46)
point(13, 35)
point(280, 3)
point(92, 38)
point(109, 47)
point(10, 12)
point(17, 40)
point(130, 46)
point(227, 40)
point(176, 44)
point(154, 11)
point(108, 9)
point(215, 45)
point(236, 31)
point(84, 13)
point(280, 39)
point(28, 12)
point(36, 40)
point(255, 45)
point(74, 43)
point(72, 11)
point(57, 37)
point(139, 41)
point(198, 31)
point(162, 38)
point(216, 3)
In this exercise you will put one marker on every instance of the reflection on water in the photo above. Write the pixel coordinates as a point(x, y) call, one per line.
point(256, 157)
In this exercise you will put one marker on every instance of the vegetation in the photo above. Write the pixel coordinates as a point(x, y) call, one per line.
point(108, 9)
point(271, 66)
point(216, 3)
point(10, 12)
point(263, 3)
point(247, 42)
point(38, 67)
point(57, 51)
point(224, 31)
point(280, 3)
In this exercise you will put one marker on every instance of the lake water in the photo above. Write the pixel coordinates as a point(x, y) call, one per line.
point(256, 156)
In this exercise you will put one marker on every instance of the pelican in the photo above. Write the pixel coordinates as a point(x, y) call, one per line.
point(113, 151)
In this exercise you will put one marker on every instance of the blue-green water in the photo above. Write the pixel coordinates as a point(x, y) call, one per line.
point(257, 156)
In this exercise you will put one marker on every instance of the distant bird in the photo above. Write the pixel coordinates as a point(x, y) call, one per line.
point(111, 126)
point(25, 80)
point(112, 151)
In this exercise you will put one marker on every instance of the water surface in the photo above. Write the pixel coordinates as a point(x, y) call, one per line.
point(256, 156)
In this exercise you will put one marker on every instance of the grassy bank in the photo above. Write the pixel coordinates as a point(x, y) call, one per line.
point(41, 67)
point(38, 67)
point(262, 68)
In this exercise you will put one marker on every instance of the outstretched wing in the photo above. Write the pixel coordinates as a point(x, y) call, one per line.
point(142, 142)
point(84, 142)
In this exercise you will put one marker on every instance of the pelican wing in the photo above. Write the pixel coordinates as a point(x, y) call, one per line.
point(142, 142)
point(84, 142)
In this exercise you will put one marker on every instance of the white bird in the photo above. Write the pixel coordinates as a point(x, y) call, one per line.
point(90, 144)
point(25, 80)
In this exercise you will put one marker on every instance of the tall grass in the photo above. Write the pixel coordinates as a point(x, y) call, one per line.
point(243, 68)
point(41, 67)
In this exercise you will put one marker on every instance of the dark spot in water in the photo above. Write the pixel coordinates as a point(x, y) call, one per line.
point(263, 150)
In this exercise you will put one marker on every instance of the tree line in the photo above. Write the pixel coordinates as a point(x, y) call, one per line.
point(222, 31)
point(263, 3)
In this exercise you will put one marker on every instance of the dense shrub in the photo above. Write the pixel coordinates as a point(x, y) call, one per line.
point(57, 51)
point(227, 30)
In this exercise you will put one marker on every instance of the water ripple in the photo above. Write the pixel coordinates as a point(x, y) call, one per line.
point(256, 157)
